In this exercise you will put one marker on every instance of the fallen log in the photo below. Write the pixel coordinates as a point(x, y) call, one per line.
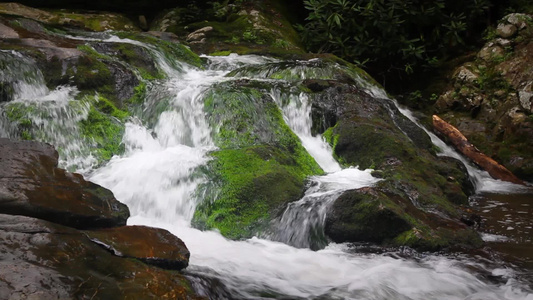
point(461, 143)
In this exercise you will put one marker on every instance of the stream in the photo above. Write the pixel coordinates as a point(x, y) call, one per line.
point(157, 177)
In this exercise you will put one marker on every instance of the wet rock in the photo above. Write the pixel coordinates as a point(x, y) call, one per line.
point(44, 260)
point(364, 215)
point(153, 246)
point(32, 185)
point(199, 34)
point(125, 82)
point(6, 91)
point(372, 133)
point(383, 215)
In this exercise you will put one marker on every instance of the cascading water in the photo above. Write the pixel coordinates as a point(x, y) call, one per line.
point(301, 225)
point(158, 174)
point(55, 113)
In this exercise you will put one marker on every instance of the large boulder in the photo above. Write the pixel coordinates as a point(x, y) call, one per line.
point(44, 260)
point(260, 167)
point(371, 132)
point(32, 185)
point(383, 216)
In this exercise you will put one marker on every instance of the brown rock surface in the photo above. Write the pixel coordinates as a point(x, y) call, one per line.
point(154, 246)
point(32, 185)
point(43, 260)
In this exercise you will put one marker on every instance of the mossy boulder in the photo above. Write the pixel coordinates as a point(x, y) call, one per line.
point(381, 215)
point(372, 133)
point(261, 165)
point(364, 215)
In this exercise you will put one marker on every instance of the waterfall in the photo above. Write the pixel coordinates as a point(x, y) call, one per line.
point(157, 176)
point(54, 112)
point(302, 223)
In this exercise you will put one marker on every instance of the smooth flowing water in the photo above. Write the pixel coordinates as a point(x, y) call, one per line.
point(158, 174)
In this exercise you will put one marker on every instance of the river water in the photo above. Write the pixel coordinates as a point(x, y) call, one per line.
point(158, 174)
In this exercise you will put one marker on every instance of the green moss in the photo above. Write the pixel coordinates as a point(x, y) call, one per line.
point(262, 164)
point(255, 183)
point(104, 128)
point(220, 53)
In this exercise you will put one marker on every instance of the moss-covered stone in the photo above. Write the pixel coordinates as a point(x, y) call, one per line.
point(385, 217)
point(104, 128)
point(261, 165)
point(372, 133)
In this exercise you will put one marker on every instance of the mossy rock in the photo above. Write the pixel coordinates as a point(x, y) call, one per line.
point(255, 184)
point(364, 215)
point(104, 127)
point(261, 165)
point(378, 215)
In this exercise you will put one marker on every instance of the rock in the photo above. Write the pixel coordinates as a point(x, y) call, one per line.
point(518, 20)
point(484, 109)
point(261, 165)
point(465, 75)
point(199, 34)
point(503, 42)
point(153, 246)
point(143, 23)
point(6, 91)
point(371, 133)
point(506, 30)
point(44, 260)
point(526, 100)
point(7, 32)
point(382, 215)
point(69, 18)
point(491, 51)
point(362, 216)
point(32, 185)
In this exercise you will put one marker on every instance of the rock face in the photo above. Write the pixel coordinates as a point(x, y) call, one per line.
point(43, 255)
point(32, 185)
point(490, 101)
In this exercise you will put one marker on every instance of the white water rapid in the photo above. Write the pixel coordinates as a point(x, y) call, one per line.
point(157, 177)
